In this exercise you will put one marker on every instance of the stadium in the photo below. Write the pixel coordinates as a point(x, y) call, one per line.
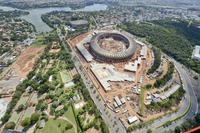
point(111, 46)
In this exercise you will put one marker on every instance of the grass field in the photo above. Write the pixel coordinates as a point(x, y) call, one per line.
point(70, 115)
point(142, 101)
point(65, 76)
point(22, 100)
point(38, 41)
point(14, 117)
point(55, 126)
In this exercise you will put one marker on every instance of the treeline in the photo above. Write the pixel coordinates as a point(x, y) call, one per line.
point(45, 19)
point(12, 14)
point(157, 60)
point(161, 82)
point(175, 38)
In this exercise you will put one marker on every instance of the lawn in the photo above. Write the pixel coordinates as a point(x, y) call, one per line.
point(142, 101)
point(14, 117)
point(39, 41)
point(29, 112)
point(55, 126)
point(70, 115)
point(22, 100)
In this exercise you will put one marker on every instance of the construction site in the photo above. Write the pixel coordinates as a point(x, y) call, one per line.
point(117, 64)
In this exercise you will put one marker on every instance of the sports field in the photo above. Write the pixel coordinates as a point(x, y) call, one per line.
point(66, 76)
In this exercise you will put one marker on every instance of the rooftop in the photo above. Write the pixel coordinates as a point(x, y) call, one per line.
point(196, 53)
point(79, 22)
point(84, 52)
point(107, 73)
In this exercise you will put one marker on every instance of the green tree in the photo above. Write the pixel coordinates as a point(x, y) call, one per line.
point(177, 129)
point(20, 108)
point(34, 118)
point(26, 122)
point(149, 131)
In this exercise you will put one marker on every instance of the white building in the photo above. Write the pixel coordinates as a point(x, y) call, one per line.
point(132, 119)
point(86, 54)
point(196, 53)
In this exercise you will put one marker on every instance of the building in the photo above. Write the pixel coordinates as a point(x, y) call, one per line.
point(106, 73)
point(84, 52)
point(196, 53)
point(79, 24)
point(132, 119)
point(133, 66)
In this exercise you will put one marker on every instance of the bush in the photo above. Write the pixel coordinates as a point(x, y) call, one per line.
point(149, 131)
point(20, 108)
point(9, 125)
point(26, 122)
point(68, 126)
point(166, 77)
point(41, 106)
point(157, 61)
point(34, 118)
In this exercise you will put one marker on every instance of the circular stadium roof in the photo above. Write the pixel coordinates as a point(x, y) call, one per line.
point(101, 53)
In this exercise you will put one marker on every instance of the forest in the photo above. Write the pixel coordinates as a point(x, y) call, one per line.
point(174, 37)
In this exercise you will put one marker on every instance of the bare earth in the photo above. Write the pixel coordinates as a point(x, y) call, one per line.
point(25, 62)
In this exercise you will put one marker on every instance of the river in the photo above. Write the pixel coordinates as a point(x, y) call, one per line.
point(34, 16)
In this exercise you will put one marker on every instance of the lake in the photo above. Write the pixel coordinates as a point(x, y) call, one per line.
point(35, 14)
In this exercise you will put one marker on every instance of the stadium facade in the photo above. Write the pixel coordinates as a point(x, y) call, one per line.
point(103, 54)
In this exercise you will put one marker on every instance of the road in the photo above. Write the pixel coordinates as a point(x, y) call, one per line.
point(190, 96)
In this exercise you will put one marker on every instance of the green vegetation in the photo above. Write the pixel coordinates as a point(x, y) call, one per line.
point(142, 106)
point(20, 89)
point(149, 131)
point(56, 126)
point(166, 124)
point(157, 60)
point(40, 40)
point(65, 76)
point(90, 107)
point(173, 100)
point(61, 99)
point(34, 118)
point(175, 38)
point(26, 4)
point(26, 122)
point(9, 125)
point(12, 14)
point(161, 82)
point(70, 115)
point(20, 108)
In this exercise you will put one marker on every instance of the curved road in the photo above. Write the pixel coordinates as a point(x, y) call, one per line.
point(190, 98)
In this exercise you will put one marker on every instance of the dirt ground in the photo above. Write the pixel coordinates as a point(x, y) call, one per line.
point(79, 38)
point(25, 62)
point(92, 130)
